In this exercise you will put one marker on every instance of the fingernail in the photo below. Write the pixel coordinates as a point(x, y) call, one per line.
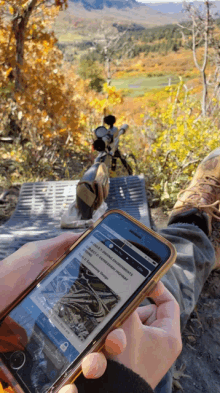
point(120, 334)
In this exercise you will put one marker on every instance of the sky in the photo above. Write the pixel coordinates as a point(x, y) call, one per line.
point(160, 1)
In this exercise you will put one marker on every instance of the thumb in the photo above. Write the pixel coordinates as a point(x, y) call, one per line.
point(147, 314)
point(94, 365)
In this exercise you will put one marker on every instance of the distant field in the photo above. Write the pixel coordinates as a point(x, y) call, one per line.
point(69, 37)
point(138, 86)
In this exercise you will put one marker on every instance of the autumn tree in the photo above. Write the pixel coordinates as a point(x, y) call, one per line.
point(200, 26)
point(37, 102)
point(19, 14)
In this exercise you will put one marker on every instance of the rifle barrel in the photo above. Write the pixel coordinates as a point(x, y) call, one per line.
point(123, 129)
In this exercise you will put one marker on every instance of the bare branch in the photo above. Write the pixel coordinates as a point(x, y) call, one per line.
point(194, 47)
point(183, 27)
point(190, 163)
point(206, 36)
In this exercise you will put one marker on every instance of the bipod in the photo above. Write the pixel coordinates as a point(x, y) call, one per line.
point(123, 161)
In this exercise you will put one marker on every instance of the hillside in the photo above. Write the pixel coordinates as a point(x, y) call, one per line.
point(78, 36)
point(120, 10)
point(148, 14)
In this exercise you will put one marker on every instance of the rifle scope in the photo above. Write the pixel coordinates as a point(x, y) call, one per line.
point(107, 136)
point(103, 139)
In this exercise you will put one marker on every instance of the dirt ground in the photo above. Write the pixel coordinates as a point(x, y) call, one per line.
point(198, 367)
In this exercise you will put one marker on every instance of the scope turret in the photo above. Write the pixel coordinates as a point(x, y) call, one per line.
point(110, 120)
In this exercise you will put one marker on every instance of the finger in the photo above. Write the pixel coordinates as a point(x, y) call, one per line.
point(160, 294)
point(132, 324)
point(147, 314)
point(67, 238)
point(69, 389)
point(115, 342)
point(94, 365)
point(55, 247)
point(168, 311)
point(164, 300)
point(50, 250)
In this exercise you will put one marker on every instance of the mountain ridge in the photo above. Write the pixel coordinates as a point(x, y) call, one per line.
point(174, 8)
point(100, 4)
point(168, 8)
point(121, 10)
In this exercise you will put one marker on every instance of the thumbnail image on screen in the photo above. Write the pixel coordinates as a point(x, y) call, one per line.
point(82, 306)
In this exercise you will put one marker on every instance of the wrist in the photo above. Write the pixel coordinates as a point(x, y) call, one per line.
point(117, 378)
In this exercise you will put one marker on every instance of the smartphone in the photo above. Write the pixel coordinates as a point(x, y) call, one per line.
point(70, 309)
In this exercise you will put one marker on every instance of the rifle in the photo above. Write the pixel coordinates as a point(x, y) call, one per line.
point(93, 188)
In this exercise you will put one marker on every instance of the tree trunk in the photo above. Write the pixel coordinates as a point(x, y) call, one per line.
point(19, 32)
point(109, 78)
point(19, 25)
point(205, 94)
point(18, 28)
point(201, 27)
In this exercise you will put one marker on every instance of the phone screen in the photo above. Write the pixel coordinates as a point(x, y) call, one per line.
point(78, 300)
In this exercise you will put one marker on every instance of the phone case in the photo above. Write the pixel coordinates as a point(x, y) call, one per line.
point(97, 345)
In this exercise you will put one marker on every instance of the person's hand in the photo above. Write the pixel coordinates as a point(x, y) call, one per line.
point(151, 343)
point(94, 364)
point(153, 332)
point(18, 271)
point(22, 267)
point(153, 337)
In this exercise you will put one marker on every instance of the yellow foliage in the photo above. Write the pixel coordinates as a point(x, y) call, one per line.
point(172, 140)
point(112, 99)
point(46, 106)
